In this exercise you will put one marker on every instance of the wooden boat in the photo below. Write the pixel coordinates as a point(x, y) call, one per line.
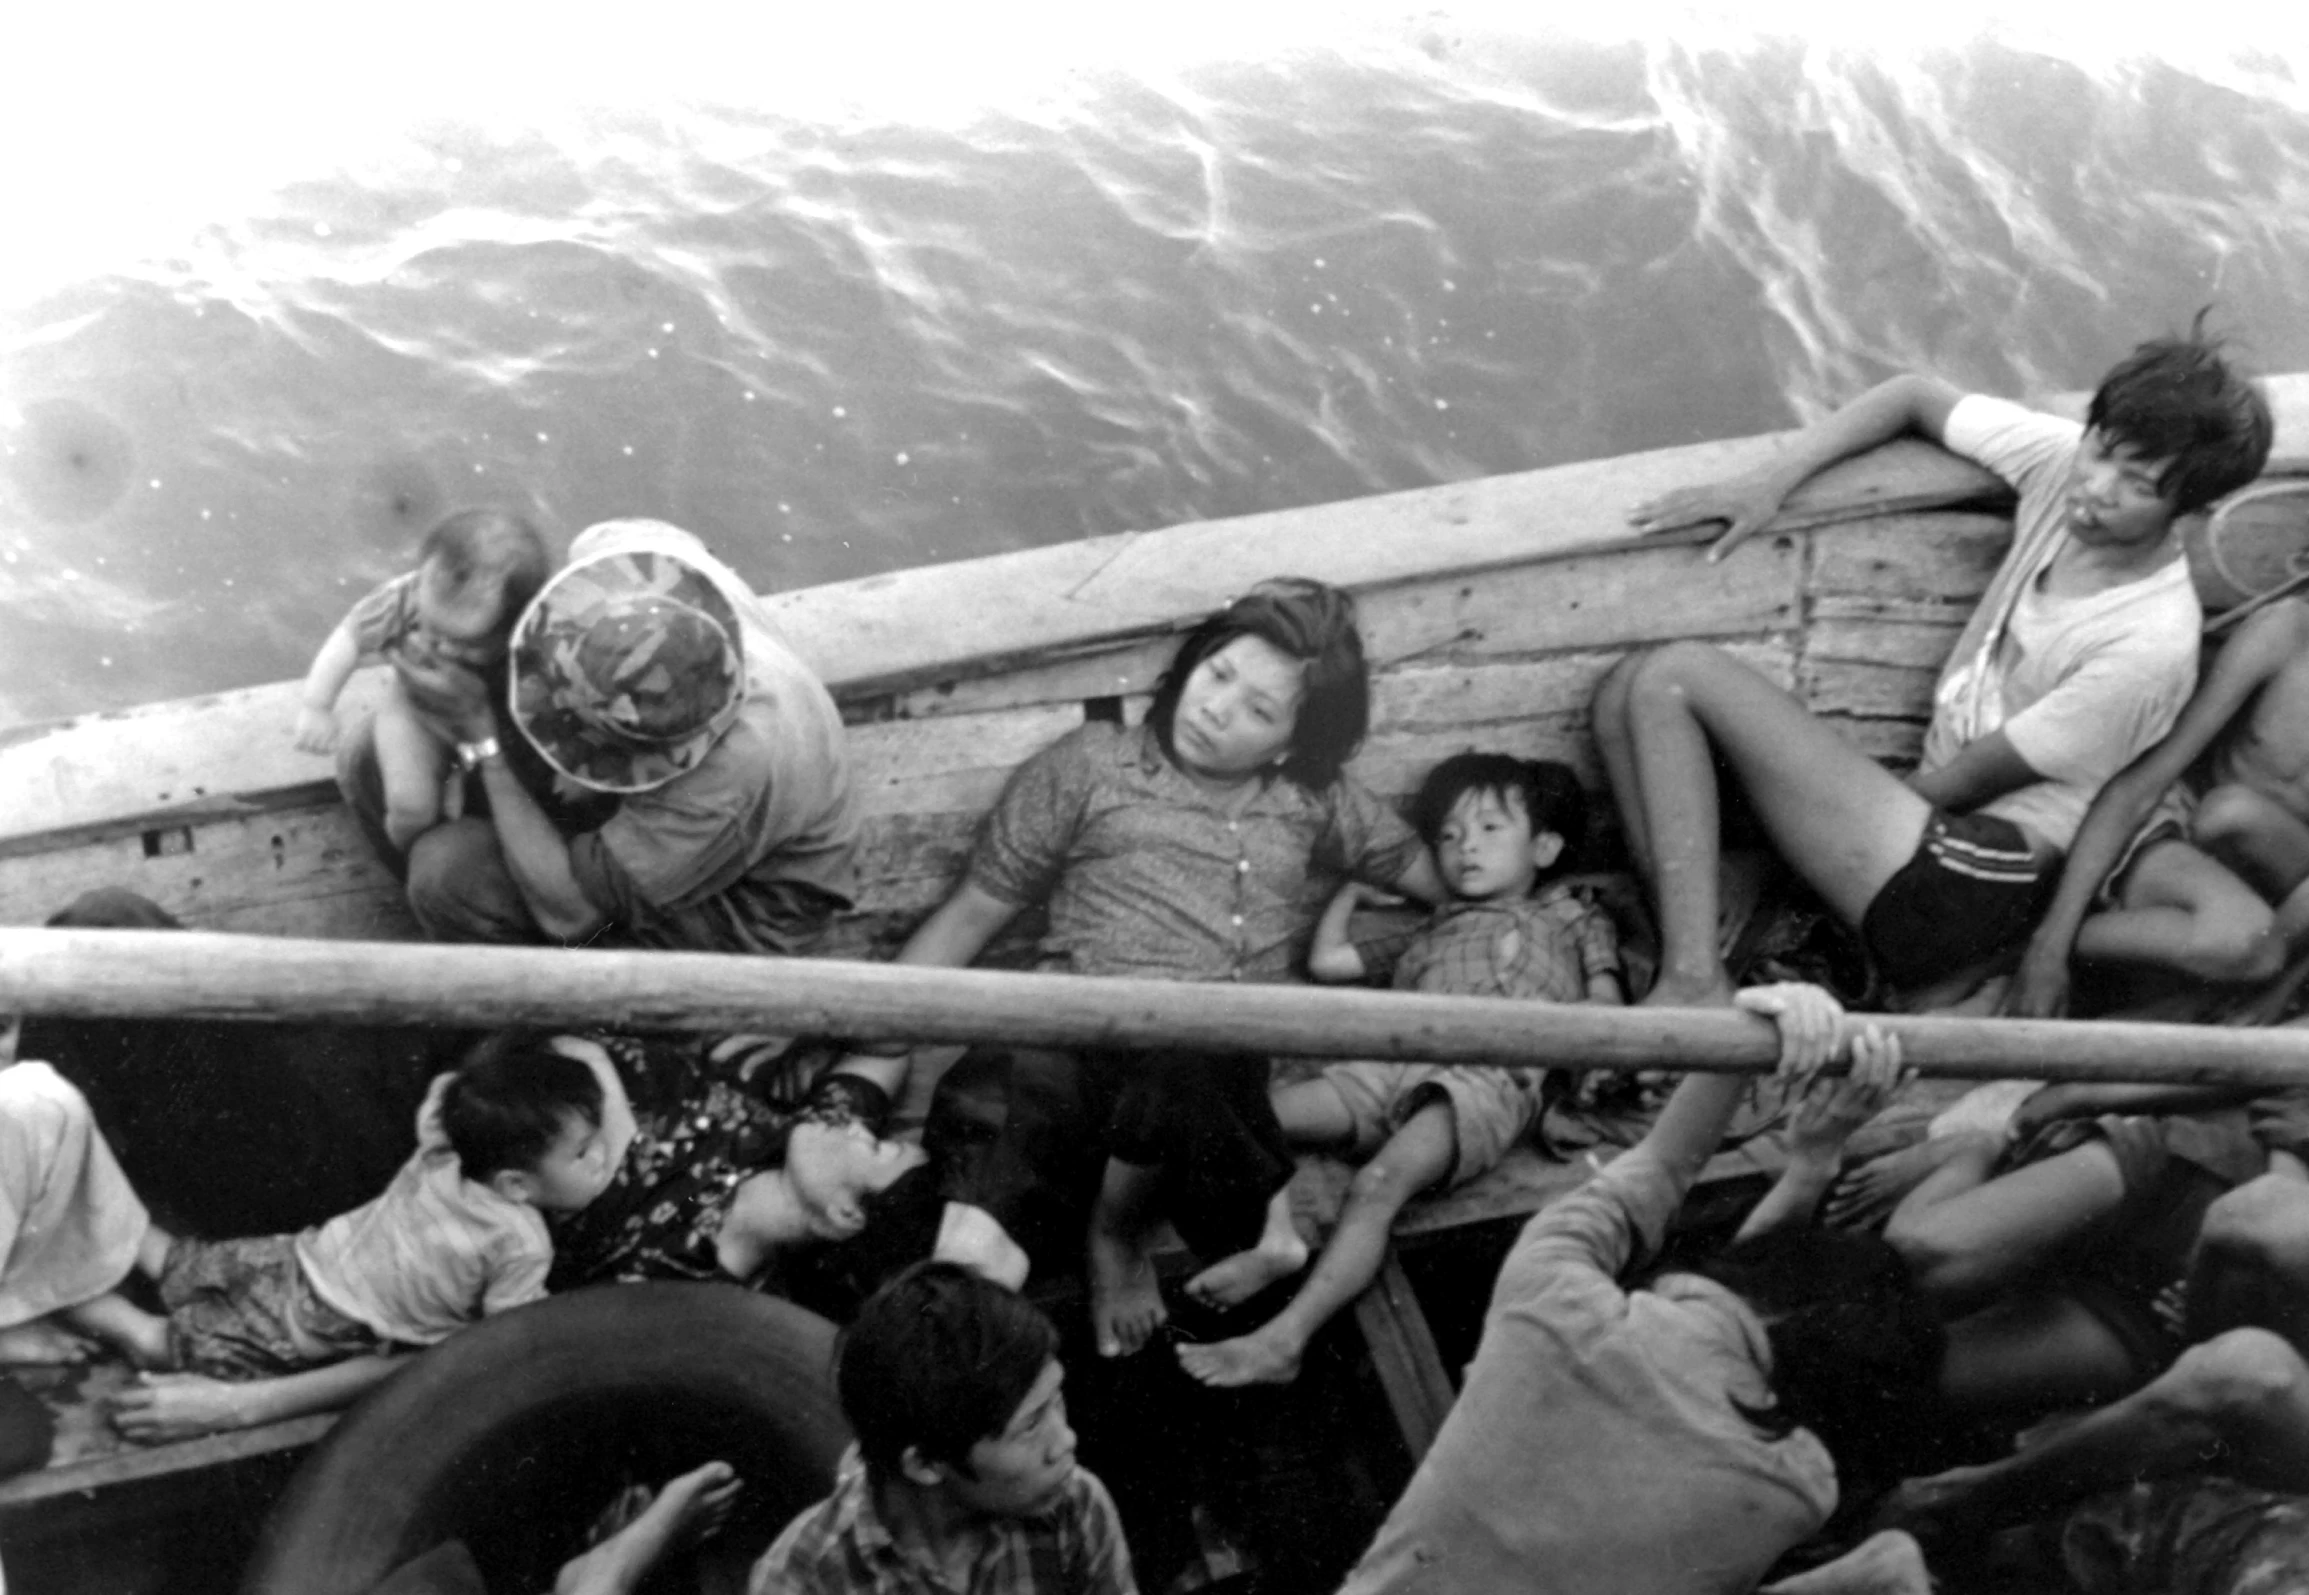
point(1491, 608)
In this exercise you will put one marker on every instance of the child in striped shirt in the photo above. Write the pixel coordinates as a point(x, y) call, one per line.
point(522, 1129)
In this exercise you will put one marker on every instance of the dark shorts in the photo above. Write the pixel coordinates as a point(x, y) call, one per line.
point(1974, 887)
point(2174, 1167)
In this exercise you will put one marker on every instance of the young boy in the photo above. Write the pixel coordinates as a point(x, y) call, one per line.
point(1497, 826)
point(476, 572)
point(2079, 656)
point(963, 1479)
point(522, 1129)
point(2217, 894)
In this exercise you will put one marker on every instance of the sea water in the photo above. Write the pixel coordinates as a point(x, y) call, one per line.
point(842, 334)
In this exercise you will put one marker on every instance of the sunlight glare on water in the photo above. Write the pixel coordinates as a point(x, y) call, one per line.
point(906, 283)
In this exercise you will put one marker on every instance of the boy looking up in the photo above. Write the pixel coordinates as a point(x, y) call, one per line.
point(1497, 826)
point(522, 1129)
point(2211, 886)
point(963, 1479)
point(2079, 656)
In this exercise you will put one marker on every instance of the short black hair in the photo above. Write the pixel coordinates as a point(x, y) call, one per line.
point(937, 1360)
point(1549, 793)
point(2179, 400)
point(482, 551)
point(1314, 624)
point(1856, 1345)
point(508, 1101)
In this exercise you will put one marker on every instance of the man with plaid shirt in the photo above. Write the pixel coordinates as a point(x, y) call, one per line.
point(963, 1480)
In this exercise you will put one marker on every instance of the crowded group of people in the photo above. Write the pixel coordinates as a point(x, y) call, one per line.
point(622, 752)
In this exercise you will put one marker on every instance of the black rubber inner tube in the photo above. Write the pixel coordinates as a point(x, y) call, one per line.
point(515, 1434)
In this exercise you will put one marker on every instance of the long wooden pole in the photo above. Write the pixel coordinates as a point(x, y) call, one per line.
point(195, 974)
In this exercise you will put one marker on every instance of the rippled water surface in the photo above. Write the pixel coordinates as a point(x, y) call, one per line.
point(836, 344)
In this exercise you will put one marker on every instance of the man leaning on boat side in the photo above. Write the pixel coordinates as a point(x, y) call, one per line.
point(2078, 658)
point(660, 770)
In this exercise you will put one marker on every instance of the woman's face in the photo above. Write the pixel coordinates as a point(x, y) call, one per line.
point(1237, 711)
point(834, 1168)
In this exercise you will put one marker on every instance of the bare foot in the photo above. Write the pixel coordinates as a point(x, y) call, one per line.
point(1232, 1281)
point(1126, 1303)
point(1262, 1357)
point(42, 1343)
point(1887, 1563)
point(1864, 1196)
point(690, 1508)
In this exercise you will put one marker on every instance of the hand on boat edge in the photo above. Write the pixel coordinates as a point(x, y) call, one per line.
point(1744, 505)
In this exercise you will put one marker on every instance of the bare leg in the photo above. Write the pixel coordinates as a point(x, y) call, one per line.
point(2255, 837)
point(1617, 747)
point(1414, 1158)
point(413, 764)
point(118, 1322)
point(2251, 1264)
point(688, 1509)
point(1126, 1304)
point(1312, 1113)
point(2031, 1353)
point(2243, 1397)
point(2182, 910)
point(42, 1343)
point(1279, 1252)
point(1841, 821)
point(1967, 1238)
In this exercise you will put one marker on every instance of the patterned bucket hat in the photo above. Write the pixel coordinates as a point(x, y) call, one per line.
point(626, 670)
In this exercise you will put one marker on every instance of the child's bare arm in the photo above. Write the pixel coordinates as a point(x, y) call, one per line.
point(325, 680)
point(2264, 646)
point(1334, 957)
point(182, 1406)
point(1691, 1124)
point(1826, 1117)
point(1606, 988)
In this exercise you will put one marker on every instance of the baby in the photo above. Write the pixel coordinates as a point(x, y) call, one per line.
point(476, 572)
point(1498, 826)
point(523, 1129)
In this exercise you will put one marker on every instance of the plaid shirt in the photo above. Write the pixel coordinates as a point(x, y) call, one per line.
point(1547, 947)
point(843, 1545)
point(1144, 875)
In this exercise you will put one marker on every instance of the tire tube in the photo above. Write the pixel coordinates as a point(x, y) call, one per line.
point(539, 1414)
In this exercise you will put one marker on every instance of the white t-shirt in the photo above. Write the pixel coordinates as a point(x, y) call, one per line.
point(2079, 686)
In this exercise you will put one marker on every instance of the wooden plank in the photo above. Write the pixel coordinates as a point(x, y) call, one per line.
point(1943, 559)
point(137, 1464)
point(155, 974)
point(1645, 594)
point(1403, 1355)
point(1843, 687)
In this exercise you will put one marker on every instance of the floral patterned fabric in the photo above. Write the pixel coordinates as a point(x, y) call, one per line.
point(700, 1130)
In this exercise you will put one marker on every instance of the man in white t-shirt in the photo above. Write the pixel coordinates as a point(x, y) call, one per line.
point(2078, 658)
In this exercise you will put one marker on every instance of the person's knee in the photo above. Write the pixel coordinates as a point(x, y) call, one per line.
point(2239, 944)
point(2237, 1377)
point(455, 871)
point(2227, 815)
point(113, 908)
point(2260, 1219)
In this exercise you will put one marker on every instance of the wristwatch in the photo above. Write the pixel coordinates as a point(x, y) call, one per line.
point(472, 755)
